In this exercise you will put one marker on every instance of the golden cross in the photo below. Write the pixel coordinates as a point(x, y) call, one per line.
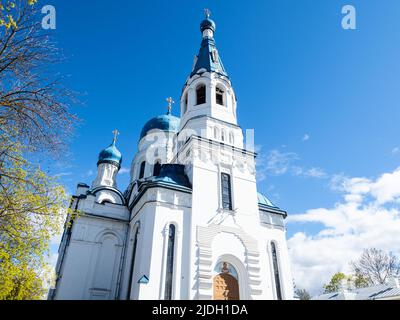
point(115, 133)
point(207, 12)
point(170, 103)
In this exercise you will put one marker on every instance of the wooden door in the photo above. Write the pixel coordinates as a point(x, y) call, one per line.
point(226, 287)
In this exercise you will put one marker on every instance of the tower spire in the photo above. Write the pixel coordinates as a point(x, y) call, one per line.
point(208, 57)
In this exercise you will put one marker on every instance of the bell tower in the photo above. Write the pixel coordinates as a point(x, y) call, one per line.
point(208, 101)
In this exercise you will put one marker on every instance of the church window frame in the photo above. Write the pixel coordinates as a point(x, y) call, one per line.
point(276, 271)
point(157, 168)
point(201, 95)
point(135, 230)
point(170, 262)
point(142, 169)
point(216, 133)
point(185, 103)
point(220, 95)
point(231, 138)
point(226, 191)
point(223, 135)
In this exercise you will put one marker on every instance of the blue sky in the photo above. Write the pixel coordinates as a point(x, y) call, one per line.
point(324, 102)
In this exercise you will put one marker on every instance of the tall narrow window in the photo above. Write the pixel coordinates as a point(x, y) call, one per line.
point(276, 271)
point(226, 191)
point(170, 263)
point(231, 138)
point(216, 135)
point(157, 168)
point(142, 167)
point(222, 135)
point(201, 94)
point(219, 96)
point(185, 103)
point(132, 268)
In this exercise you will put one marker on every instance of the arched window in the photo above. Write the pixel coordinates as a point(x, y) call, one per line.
point(219, 96)
point(222, 135)
point(157, 168)
point(142, 168)
point(132, 268)
point(276, 271)
point(201, 94)
point(185, 103)
point(226, 191)
point(170, 263)
point(231, 138)
point(216, 133)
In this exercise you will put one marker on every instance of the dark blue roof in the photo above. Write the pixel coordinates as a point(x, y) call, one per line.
point(208, 57)
point(110, 155)
point(166, 122)
point(172, 174)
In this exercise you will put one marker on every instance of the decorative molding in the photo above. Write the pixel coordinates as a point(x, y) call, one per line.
point(205, 237)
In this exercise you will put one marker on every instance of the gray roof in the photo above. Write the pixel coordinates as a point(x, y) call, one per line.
point(382, 291)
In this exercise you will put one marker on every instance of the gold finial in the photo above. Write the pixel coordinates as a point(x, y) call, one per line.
point(115, 133)
point(170, 103)
point(207, 12)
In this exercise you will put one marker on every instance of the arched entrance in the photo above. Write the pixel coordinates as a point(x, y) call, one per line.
point(225, 283)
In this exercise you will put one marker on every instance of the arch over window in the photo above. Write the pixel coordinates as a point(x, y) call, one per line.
point(200, 94)
point(170, 263)
point(132, 267)
point(276, 271)
point(157, 168)
point(219, 95)
point(142, 168)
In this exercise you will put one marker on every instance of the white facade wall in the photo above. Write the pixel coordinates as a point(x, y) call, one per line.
point(96, 255)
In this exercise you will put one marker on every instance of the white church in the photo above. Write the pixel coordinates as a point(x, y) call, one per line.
point(191, 224)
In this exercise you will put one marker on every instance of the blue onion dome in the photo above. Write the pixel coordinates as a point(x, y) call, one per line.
point(263, 200)
point(166, 122)
point(207, 23)
point(111, 155)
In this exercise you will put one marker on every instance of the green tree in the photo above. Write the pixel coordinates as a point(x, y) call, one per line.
point(360, 281)
point(335, 282)
point(35, 123)
point(8, 12)
point(303, 294)
point(32, 209)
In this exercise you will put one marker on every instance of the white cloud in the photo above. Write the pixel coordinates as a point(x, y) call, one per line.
point(396, 150)
point(63, 174)
point(306, 137)
point(277, 163)
point(124, 170)
point(368, 216)
point(312, 173)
